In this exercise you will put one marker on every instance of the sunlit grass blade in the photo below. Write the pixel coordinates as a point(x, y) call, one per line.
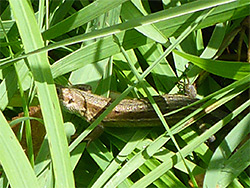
point(141, 77)
point(40, 68)
point(13, 158)
point(235, 70)
point(166, 15)
point(215, 41)
point(8, 86)
point(120, 158)
point(129, 12)
point(223, 152)
point(233, 166)
point(81, 17)
point(175, 158)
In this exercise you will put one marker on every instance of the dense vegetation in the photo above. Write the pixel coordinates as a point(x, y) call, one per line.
point(138, 48)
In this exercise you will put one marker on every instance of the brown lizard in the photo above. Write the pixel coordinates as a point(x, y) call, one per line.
point(128, 113)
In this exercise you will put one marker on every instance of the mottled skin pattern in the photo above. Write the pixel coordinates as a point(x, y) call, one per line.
point(128, 113)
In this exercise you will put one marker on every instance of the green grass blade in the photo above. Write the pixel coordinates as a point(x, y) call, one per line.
point(175, 158)
point(8, 86)
point(215, 41)
point(13, 159)
point(234, 70)
point(136, 162)
point(166, 27)
point(160, 16)
point(85, 56)
point(142, 76)
point(40, 68)
point(233, 166)
point(223, 152)
point(81, 17)
point(129, 12)
point(163, 74)
point(120, 158)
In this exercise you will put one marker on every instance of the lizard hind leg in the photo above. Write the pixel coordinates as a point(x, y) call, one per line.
point(96, 133)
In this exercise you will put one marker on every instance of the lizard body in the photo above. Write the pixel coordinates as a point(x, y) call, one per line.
point(128, 113)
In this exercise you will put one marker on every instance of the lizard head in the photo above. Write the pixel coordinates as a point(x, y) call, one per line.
point(72, 100)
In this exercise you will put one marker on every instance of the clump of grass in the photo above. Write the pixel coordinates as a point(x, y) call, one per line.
point(122, 46)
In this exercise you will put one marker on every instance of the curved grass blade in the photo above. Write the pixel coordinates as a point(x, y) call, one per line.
point(234, 70)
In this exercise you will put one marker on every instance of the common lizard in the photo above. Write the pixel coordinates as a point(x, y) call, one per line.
point(128, 113)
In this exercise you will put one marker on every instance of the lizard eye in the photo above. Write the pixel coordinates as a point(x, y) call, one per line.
point(71, 100)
